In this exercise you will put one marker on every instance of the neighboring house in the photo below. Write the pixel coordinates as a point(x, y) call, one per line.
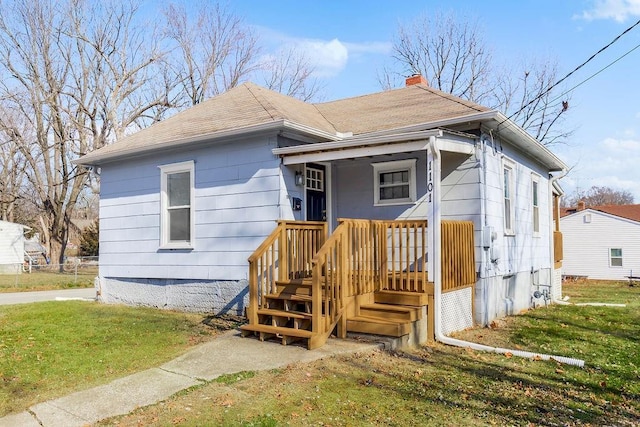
point(11, 247)
point(601, 242)
point(185, 202)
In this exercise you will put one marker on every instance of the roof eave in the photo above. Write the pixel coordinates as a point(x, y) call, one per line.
point(525, 142)
point(96, 158)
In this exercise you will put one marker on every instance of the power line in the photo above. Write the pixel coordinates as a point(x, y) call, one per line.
point(595, 74)
point(576, 69)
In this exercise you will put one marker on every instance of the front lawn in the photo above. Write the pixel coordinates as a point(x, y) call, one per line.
point(52, 349)
point(443, 385)
point(45, 279)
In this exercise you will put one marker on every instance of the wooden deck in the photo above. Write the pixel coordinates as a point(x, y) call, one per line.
point(368, 277)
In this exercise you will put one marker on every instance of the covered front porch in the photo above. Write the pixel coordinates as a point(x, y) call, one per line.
point(368, 276)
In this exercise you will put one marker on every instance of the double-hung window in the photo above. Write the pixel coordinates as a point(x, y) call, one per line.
point(535, 204)
point(615, 257)
point(508, 172)
point(394, 182)
point(177, 206)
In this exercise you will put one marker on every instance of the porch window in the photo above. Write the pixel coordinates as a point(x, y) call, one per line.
point(177, 200)
point(535, 206)
point(615, 257)
point(508, 186)
point(394, 182)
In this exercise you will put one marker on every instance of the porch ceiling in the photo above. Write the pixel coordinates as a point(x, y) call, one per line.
point(369, 146)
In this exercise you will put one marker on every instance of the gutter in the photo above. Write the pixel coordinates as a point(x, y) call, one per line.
point(437, 285)
point(96, 158)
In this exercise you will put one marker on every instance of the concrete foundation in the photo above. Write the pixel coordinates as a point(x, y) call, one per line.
point(200, 296)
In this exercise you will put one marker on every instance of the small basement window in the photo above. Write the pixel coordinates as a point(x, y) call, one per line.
point(177, 200)
point(615, 257)
point(394, 182)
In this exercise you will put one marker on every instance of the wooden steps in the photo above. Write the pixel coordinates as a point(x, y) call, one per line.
point(286, 315)
point(287, 335)
point(378, 326)
point(388, 311)
point(411, 299)
point(392, 314)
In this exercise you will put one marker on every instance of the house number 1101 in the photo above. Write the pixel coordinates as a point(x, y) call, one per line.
point(429, 180)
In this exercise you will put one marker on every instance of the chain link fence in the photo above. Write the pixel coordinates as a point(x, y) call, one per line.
point(76, 272)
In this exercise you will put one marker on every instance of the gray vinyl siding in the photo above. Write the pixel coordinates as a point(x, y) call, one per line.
point(353, 181)
point(587, 244)
point(524, 250)
point(237, 199)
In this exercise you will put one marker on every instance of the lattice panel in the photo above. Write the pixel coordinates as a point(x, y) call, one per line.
point(457, 310)
point(556, 287)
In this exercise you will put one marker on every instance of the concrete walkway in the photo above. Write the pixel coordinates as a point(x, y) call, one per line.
point(227, 354)
point(38, 296)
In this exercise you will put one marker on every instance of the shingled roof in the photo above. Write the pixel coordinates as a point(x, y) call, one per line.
point(249, 107)
point(631, 212)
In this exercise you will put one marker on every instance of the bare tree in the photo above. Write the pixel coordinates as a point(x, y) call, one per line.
point(599, 196)
point(12, 167)
point(450, 52)
point(290, 72)
point(75, 72)
point(213, 52)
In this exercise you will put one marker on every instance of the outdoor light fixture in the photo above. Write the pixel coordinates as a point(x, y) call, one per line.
point(299, 178)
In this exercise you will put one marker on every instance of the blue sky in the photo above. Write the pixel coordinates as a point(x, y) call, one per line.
point(351, 40)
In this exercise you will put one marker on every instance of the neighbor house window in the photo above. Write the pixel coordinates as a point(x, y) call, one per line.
point(535, 205)
point(508, 171)
point(177, 214)
point(615, 257)
point(394, 182)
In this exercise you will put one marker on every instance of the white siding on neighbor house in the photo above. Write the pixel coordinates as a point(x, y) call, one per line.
point(589, 235)
point(11, 247)
point(238, 192)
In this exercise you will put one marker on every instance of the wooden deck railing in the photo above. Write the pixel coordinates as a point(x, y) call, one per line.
point(404, 254)
point(458, 255)
point(285, 254)
point(330, 269)
point(360, 257)
point(364, 256)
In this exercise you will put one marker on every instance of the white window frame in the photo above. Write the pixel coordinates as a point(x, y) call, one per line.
point(508, 188)
point(394, 166)
point(535, 204)
point(165, 171)
point(611, 257)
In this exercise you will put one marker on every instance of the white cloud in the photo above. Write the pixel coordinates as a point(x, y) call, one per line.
point(619, 10)
point(611, 163)
point(381, 48)
point(624, 147)
point(329, 57)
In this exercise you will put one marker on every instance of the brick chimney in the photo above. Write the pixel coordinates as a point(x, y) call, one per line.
point(416, 79)
point(581, 205)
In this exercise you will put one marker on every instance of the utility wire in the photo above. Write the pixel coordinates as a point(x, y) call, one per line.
point(594, 74)
point(576, 69)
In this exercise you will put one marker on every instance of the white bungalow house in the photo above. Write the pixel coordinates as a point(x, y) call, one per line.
point(11, 247)
point(601, 242)
point(185, 202)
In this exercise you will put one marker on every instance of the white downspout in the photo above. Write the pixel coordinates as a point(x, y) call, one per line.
point(437, 279)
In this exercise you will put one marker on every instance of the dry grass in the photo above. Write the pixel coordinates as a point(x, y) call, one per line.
point(443, 385)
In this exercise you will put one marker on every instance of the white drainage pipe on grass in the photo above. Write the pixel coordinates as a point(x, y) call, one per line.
point(437, 297)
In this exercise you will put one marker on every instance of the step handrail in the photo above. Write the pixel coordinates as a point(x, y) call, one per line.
point(285, 254)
